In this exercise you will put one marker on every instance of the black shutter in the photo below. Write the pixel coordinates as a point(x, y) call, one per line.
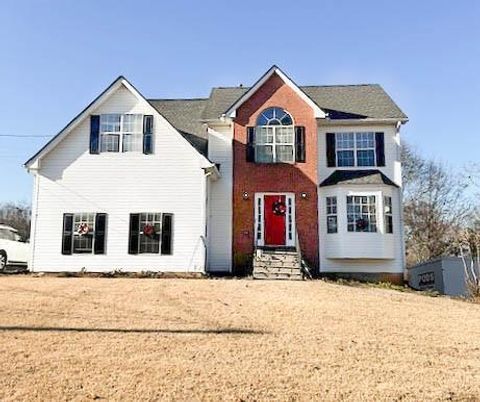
point(250, 144)
point(147, 134)
point(167, 232)
point(67, 236)
point(331, 154)
point(100, 226)
point(300, 144)
point(134, 234)
point(380, 148)
point(94, 134)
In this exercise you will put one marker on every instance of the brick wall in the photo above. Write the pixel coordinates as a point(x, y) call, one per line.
point(294, 178)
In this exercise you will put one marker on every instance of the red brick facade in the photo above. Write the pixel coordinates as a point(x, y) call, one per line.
point(282, 178)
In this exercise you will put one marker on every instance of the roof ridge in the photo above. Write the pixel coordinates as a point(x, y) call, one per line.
point(308, 86)
point(340, 85)
point(175, 99)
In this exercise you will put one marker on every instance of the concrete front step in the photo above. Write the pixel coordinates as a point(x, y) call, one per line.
point(284, 276)
point(274, 270)
point(277, 264)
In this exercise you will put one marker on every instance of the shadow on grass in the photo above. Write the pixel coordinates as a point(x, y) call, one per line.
point(219, 331)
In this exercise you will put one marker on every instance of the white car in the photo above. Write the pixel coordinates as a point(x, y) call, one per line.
point(13, 250)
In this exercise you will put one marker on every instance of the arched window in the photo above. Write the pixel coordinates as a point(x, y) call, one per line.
point(274, 137)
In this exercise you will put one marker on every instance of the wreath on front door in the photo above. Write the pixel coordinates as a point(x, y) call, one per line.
point(149, 230)
point(279, 208)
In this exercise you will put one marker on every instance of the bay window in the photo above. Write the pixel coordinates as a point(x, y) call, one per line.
point(361, 213)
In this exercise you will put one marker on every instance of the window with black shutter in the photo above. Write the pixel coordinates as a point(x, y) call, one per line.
point(147, 134)
point(84, 233)
point(67, 235)
point(300, 146)
point(167, 227)
point(150, 233)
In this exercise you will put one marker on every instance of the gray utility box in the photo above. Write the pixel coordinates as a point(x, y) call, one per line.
point(446, 275)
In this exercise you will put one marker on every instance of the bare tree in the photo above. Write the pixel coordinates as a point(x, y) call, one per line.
point(435, 207)
point(17, 215)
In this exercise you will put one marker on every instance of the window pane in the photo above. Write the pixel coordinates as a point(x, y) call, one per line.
point(110, 123)
point(149, 241)
point(365, 140)
point(345, 140)
point(83, 231)
point(287, 120)
point(284, 135)
point(264, 154)
point(361, 214)
point(110, 143)
point(132, 123)
point(274, 117)
point(132, 143)
point(366, 158)
point(332, 224)
point(345, 158)
point(264, 135)
point(284, 153)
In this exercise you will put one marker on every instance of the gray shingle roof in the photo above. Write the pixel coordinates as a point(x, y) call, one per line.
point(368, 101)
point(186, 116)
point(372, 176)
point(340, 101)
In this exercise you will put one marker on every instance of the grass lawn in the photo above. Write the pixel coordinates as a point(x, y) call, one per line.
point(125, 339)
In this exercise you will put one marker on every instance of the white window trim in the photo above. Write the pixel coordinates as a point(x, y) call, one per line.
point(260, 240)
point(378, 210)
point(274, 144)
point(355, 149)
point(121, 133)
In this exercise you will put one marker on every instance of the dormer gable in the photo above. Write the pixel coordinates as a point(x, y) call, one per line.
point(274, 70)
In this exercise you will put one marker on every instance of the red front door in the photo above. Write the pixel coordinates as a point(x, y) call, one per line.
point(274, 212)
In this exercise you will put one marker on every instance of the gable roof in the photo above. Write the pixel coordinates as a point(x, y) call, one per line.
point(59, 136)
point(231, 111)
point(340, 101)
point(188, 116)
point(371, 176)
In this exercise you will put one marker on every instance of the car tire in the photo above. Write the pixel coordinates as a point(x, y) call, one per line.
point(3, 260)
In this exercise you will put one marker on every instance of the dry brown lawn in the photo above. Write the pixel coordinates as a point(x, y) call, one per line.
point(178, 339)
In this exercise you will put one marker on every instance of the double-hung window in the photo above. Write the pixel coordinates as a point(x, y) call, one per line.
point(121, 132)
point(151, 233)
point(361, 213)
point(355, 149)
point(84, 233)
point(387, 209)
point(274, 137)
point(331, 214)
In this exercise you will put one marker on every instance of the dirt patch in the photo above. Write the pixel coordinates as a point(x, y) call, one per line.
point(125, 339)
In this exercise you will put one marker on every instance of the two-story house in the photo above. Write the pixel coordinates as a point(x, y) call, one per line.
point(215, 184)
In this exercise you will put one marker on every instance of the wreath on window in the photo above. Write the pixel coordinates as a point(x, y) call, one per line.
point(279, 208)
point(83, 229)
point(361, 224)
point(149, 230)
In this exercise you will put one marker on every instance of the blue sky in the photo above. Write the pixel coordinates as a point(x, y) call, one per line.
point(56, 56)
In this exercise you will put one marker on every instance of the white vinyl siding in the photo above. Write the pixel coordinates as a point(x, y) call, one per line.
point(72, 180)
point(220, 200)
